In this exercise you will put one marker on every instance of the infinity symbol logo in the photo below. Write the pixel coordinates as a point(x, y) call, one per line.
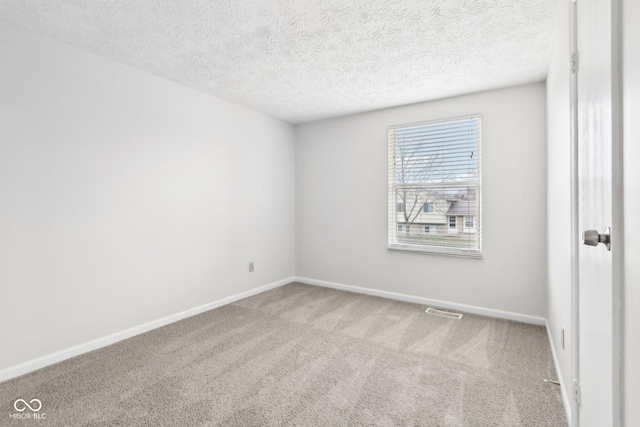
point(26, 405)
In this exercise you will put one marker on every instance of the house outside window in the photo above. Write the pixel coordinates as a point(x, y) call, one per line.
point(435, 180)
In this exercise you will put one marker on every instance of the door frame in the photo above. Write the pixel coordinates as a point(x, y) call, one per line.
point(575, 232)
point(617, 233)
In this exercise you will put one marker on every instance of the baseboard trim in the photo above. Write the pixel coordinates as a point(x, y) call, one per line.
point(59, 356)
point(525, 318)
point(563, 388)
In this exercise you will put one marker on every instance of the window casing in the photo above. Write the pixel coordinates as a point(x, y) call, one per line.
point(435, 177)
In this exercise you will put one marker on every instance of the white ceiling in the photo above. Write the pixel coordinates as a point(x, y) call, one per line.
point(306, 60)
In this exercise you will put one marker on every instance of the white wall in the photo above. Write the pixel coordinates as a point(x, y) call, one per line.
point(559, 195)
point(341, 205)
point(631, 143)
point(125, 198)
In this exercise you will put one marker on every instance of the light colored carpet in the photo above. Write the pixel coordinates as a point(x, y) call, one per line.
point(301, 355)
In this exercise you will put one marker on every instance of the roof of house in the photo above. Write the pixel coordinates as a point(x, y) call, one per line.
point(463, 207)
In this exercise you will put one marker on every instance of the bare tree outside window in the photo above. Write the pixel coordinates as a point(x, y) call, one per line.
point(416, 175)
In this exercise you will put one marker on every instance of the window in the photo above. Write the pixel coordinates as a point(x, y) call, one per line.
point(430, 229)
point(436, 163)
point(469, 221)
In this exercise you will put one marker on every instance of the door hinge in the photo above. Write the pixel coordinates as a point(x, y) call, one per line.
point(574, 62)
point(576, 391)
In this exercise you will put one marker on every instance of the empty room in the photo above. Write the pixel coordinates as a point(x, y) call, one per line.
point(328, 213)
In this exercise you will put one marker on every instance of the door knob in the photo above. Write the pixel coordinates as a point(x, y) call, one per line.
point(592, 238)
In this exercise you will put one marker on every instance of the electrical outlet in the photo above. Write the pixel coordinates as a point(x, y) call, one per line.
point(562, 336)
point(251, 267)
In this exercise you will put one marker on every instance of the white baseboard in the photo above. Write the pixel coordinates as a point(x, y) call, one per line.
point(563, 388)
point(77, 350)
point(525, 318)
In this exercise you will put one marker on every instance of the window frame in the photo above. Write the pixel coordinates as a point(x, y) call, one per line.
point(393, 243)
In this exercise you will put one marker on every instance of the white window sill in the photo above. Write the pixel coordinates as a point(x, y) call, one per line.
point(436, 250)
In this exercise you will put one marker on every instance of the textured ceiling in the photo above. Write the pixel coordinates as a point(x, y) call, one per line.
point(306, 60)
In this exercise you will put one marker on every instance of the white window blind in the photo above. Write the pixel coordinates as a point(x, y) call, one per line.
point(436, 164)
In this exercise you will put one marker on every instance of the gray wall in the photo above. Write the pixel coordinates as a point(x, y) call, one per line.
point(341, 205)
point(125, 198)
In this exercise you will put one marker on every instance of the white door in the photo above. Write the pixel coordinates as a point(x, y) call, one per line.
point(453, 226)
point(598, 140)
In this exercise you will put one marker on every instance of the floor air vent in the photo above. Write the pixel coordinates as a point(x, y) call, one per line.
point(433, 311)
